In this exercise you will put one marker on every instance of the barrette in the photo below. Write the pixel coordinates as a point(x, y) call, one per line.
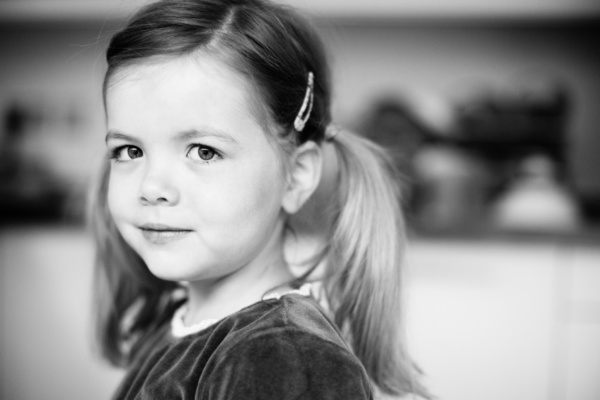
point(307, 104)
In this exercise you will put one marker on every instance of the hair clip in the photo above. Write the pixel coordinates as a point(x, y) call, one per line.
point(307, 104)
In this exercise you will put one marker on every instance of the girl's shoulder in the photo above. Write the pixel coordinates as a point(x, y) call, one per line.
point(292, 319)
point(293, 313)
point(282, 312)
point(286, 345)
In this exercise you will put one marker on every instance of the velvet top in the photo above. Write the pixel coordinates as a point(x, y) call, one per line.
point(275, 349)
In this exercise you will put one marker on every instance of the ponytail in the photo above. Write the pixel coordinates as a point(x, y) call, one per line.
point(363, 269)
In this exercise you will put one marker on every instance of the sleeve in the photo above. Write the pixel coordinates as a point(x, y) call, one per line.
point(289, 365)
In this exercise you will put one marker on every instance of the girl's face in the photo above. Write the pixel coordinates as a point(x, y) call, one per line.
point(195, 186)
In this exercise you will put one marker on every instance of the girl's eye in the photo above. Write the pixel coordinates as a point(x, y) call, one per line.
point(125, 153)
point(134, 152)
point(202, 153)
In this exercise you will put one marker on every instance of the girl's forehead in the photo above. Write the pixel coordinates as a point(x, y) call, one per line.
point(199, 68)
point(180, 88)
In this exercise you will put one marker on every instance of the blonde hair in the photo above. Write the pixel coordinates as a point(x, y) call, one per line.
point(363, 262)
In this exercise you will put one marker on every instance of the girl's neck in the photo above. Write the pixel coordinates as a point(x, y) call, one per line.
point(219, 298)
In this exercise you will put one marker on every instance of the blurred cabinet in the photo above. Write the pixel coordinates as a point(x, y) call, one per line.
point(583, 364)
point(46, 327)
point(66, 10)
point(447, 9)
point(505, 319)
point(582, 326)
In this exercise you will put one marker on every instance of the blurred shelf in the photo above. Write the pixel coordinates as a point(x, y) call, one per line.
point(453, 12)
point(26, 12)
point(342, 12)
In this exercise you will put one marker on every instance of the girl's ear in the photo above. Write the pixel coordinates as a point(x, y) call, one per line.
point(303, 176)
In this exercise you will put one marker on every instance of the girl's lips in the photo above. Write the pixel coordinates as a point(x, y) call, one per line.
point(161, 227)
point(162, 234)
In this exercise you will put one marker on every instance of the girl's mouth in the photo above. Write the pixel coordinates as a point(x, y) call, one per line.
point(162, 234)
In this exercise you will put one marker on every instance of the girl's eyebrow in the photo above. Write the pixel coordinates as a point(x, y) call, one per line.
point(116, 135)
point(206, 132)
point(181, 136)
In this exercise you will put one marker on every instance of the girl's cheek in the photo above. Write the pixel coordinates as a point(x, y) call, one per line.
point(118, 194)
point(112, 207)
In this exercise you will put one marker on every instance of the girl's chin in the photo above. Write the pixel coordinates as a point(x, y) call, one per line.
point(172, 274)
point(176, 271)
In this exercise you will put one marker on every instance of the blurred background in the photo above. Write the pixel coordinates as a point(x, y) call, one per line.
point(492, 110)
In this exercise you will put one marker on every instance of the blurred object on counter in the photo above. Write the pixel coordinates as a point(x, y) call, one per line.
point(392, 122)
point(459, 155)
point(403, 124)
point(589, 204)
point(528, 115)
point(535, 200)
point(434, 112)
point(29, 191)
point(451, 186)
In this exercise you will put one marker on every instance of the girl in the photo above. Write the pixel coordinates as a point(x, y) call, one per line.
point(222, 159)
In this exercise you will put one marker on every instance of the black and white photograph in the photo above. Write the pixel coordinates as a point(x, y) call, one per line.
point(299, 200)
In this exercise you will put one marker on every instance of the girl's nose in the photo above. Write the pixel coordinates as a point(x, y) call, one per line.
point(158, 188)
